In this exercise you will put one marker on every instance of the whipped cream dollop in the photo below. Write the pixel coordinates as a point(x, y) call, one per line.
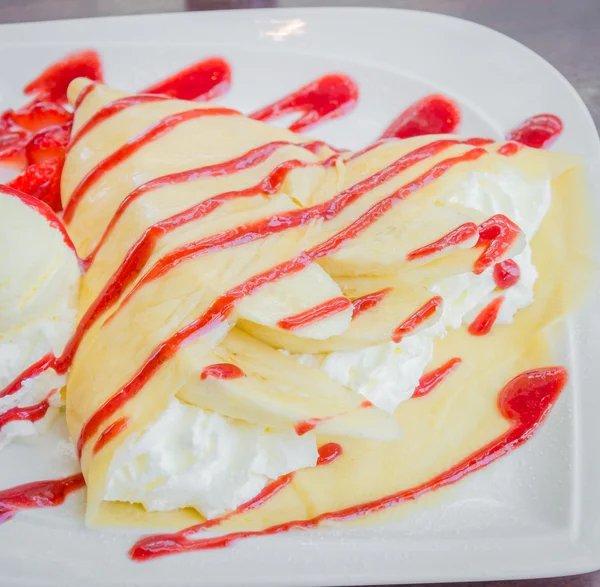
point(388, 374)
point(191, 457)
point(39, 285)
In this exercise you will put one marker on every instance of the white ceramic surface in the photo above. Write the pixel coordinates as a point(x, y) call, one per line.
point(534, 513)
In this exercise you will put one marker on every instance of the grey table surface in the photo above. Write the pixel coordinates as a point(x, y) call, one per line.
point(565, 32)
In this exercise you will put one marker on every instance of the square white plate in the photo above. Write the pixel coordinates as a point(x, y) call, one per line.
point(534, 513)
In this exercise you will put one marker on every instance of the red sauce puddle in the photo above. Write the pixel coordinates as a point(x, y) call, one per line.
point(417, 319)
point(485, 320)
point(315, 314)
point(525, 402)
point(455, 237)
point(222, 371)
point(506, 274)
point(326, 98)
point(40, 494)
point(369, 301)
point(434, 114)
point(433, 378)
point(539, 131)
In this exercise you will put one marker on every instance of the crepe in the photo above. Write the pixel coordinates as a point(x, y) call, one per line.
point(202, 292)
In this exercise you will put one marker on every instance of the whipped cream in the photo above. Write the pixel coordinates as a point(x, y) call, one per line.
point(195, 458)
point(388, 374)
point(39, 285)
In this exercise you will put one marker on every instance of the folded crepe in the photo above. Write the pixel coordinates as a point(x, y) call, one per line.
point(218, 245)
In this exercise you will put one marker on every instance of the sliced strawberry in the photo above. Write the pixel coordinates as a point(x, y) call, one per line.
point(13, 141)
point(48, 143)
point(53, 82)
point(42, 181)
point(40, 114)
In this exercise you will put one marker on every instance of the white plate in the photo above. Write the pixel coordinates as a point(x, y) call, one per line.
point(534, 513)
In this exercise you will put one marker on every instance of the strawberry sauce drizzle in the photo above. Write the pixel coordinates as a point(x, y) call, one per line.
point(37, 368)
point(40, 494)
point(83, 95)
point(326, 98)
point(156, 131)
point(29, 413)
point(423, 314)
point(328, 453)
point(525, 402)
point(202, 81)
point(497, 234)
point(222, 371)
point(110, 433)
point(325, 211)
point(430, 380)
point(315, 314)
point(369, 301)
point(454, 238)
point(108, 111)
point(224, 305)
point(54, 81)
point(271, 184)
point(538, 131)
point(306, 426)
point(434, 114)
point(485, 320)
point(314, 105)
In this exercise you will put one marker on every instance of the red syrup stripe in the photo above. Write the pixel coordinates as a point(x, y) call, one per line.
point(201, 81)
point(328, 453)
point(434, 114)
point(40, 494)
point(30, 413)
point(430, 380)
point(485, 320)
point(110, 433)
point(156, 131)
point(315, 314)
point(538, 131)
point(424, 313)
point(325, 98)
point(83, 95)
point(109, 110)
point(525, 402)
point(224, 305)
point(369, 301)
point(454, 238)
